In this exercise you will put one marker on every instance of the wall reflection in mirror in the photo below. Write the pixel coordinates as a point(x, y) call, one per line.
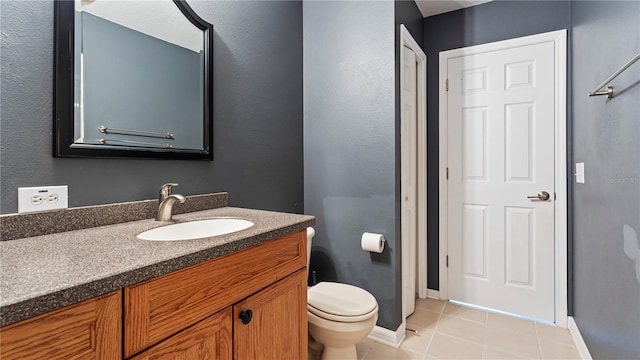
point(141, 81)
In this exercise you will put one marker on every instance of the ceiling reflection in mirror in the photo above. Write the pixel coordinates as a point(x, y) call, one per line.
point(141, 79)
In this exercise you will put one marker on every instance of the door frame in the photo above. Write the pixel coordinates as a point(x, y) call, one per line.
point(559, 39)
point(421, 183)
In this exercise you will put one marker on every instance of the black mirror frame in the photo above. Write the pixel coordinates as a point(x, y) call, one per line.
point(63, 93)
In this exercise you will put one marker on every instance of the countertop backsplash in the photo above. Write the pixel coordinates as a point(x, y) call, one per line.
point(16, 226)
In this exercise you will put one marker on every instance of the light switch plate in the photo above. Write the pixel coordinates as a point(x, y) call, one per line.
point(580, 173)
point(43, 198)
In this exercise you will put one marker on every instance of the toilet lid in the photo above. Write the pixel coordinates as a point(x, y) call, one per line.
point(341, 300)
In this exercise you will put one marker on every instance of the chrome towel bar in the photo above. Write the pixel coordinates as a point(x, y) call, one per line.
point(609, 90)
point(133, 143)
point(108, 130)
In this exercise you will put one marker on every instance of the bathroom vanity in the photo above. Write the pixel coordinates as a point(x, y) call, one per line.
point(235, 296)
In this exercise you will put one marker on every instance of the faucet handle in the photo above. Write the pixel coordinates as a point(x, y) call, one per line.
point(165, 190)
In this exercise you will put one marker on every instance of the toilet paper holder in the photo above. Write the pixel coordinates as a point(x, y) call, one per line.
point(372, 242)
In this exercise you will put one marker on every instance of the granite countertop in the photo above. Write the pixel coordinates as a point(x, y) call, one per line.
point(43, 273)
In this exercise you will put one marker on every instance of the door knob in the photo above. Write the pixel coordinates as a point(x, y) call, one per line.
point(542, 196)
point(246, 316)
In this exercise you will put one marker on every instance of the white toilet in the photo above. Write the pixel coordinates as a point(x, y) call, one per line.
point(340, 315)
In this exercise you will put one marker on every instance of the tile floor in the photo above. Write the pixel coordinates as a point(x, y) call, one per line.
point(448, 331)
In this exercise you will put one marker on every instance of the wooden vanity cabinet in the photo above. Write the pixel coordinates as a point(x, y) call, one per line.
point(203, 311)
point(91, 329)
point(272, 331)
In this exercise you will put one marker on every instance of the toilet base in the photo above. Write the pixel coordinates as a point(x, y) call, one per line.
point(339, 338)
point(346, 353)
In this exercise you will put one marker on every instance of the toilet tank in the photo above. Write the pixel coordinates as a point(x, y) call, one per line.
point(310, 234)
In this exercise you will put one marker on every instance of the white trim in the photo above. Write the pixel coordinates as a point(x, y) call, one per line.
point(433, 294)
point(421, 106)
point(388, 337)
point(559, 38)
point(581, 346)
point(561, 176)
point(443, 208)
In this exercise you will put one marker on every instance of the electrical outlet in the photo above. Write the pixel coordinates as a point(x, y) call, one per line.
point(52, 198)
point(36, 199)
point(43, 198)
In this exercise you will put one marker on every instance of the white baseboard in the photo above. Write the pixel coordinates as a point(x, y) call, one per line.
point(388, 337)
point(433, 294)
point(581, 346)
point(395, 338)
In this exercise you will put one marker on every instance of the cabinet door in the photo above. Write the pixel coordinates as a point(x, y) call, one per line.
point(91, 329)
point(210, 339)
point(277, 326)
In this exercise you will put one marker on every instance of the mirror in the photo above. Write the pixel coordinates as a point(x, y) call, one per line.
point(132, 79)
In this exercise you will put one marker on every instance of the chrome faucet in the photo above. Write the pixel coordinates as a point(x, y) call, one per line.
point(167, 200)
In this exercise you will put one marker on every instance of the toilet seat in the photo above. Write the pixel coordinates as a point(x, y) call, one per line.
point(341, 302)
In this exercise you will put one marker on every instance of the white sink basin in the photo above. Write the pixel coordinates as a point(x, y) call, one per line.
point(195, 229)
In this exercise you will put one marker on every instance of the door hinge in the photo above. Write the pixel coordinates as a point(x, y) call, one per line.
point(447, 173)
point(447, 260)
point(446, 84)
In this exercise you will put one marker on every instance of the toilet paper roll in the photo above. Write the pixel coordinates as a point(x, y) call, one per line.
point(372, 242)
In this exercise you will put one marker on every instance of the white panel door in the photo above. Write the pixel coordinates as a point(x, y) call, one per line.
point(408, 134)
point(501, 151)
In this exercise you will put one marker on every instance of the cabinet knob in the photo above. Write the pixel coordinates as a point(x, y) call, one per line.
point(246, 316)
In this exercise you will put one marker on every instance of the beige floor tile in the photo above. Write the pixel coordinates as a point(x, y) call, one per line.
point(551, 350)
point(462, 328)
point(384, 352)
point(431, 304)
point(363, 348)
point(494, 354)
point(554, 334)
point(449, 331)
point(417, 343)
point(422, 319)
point(465, 313)
point(511, 323)
point(448, 347)
point(513, 342)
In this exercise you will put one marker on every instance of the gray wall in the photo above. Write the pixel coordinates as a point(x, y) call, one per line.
point(494, 21)
point(257, 113)
point(606, 133)
point(350, 145)
point(407, 13)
